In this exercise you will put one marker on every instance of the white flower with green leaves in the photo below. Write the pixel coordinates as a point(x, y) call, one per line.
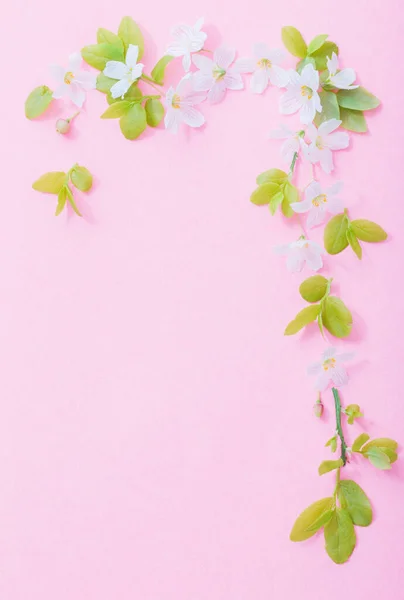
point(125, 72)
point(318, 202)
point(324, 141)
point(187, 40)
point(215, 76)
point(293, 142)
point(264, 67)
point(330, 369)
point(342, 79)
point(181, 103)
point(301, 252)
point(302, 95)
point(73, 83)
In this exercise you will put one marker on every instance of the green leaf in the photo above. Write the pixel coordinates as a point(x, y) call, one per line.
point(314, 288)
point(320, 324)
point(62, 197)
point(378, 458)
point(335, 240)
point(353, 242)
point(81, 178)
point(294, 42)
point(316, 43)
point(154, 112)
point(360, 440)
point(133, 122)
point(117, 109)
point(72, 203)
point(107, 37)
point(275, 202)
point(98, 55)
point(158, 72)
point(263, 194)
point(272, 176)
point(133, 93)
point(324, 52)
point(50, 183)
point(340, 538)
point(386, 445)
point(38, 101)
point(329, 465)
point(306, 523)
point(104, 83)
point(357, 99)
point(367, 231)
point(354, 500)
point(330, 108)
point(353, 120)
point(290, 195)
point(303, 318)
point(332, 443)
point(306, 61)
point(130, 33)
point(353, 412)
point(336, 317)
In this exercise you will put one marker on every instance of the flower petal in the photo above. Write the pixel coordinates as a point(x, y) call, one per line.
point(329, 126)
point(202, 82)
point(289, 148)
point(77, 95)
point(329, 352)
point(75, 61)
point(172, 119)
point(186, 62)
point(282, 133)
point(192, 117)
point(314, 368)
point(322, 381)
point(199, 24)
point(307, 112)
point(334, 205)
point(224, 56)
point(233, 80)
point(316, 216)
point(278, 76)
point(86, 80)
point(176, 48)
point(120, 88)
point(217, 92)
point(290, 102)
point(61, 91)
point(309, 76)
point(116, 70)
point(344, 79)
point(203, 63)
point(337, 141)
point(245, 65)
point(132, 55)
point(301, 207)
point(332, 64)
point(339, 375)
point(313, 258)
point(295, 261)
point(326, 160)
point(259, 81)
point(58, 73)
point(313, 190)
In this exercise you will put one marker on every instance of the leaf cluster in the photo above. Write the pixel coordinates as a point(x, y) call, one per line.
point(380, 452)
point(57, 182)
point(275, 190)
point(340, 232)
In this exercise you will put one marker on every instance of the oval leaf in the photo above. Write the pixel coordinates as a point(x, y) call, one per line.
point(335, 240)
point(133, 122)
point(272, 176)
point(360, 440)
point(353, 242)
point(38, 101)
point(306, 61)
point(357, 99)
point(81, 178)
point(316, 43)
point(117, 109)
point(107, 37)
point(336, 317)
point(329, 465)
point(263, 194)
point(367, 231)
point(378, 458)
point(354, 499)
point(314, 288)
point(104, 83)
point(290, 194)
point(50, 183)
point(62, 197)
point(353, 120)
point(303, 318)
point(306, 523)
point(130, 33)
point(158, 72)
point(340, 537)
point(294, 42)
point(154, 112)
point(97, 55)
point(324, 52)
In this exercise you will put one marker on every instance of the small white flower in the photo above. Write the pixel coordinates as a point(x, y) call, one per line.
point(126, 73)
point(301, 252)
point(293, 143)
point(264, 67)
point(301, 95)
point(73, 82)
point(343, 79)
point(187, 40)
point(324, 141)
point(181, 105)
point(214, 76)
point(330, 369)
point(318, 202)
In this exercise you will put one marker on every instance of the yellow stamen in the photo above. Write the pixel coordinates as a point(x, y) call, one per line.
point(218, 73)
point(68, 77)
point(264, 63)
point(321, 199)
point(176, 101)
point(329, 364)
point(306, 91)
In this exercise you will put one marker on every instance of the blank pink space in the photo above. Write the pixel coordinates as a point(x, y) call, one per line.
point(156, 433)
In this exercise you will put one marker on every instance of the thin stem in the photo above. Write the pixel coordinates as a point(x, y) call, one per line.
point(73, 116)
point(292, 166)
point(339, 426)
point(337, 482)
point(150, 81)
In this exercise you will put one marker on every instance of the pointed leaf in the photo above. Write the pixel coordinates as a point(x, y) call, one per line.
point(158, 72)
point(272, 176)
point(330, 108)
point(107, 37)
point(316, 43)
point(97, 55)
point(62, 197)
point(354, 243)
point(81, 178)
point(308, 60)
point(263, 194)
point(275, 202)
point(290, 194)
point(378, 458)
point(353, 120)
point(329, 465)
point(340, 538)
point(117, 109)
point(324, 52)
point(360, 440)
point(357, 99)
point(294, 42)
point(133, 122)
point(335, 240)
point(72, 202)
point(130, 33)
point(104, 83)
point(304, 526)
point(154, 112)
point(303, 318)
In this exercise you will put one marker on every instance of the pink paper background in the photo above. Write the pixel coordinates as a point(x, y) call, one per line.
point(156, 433)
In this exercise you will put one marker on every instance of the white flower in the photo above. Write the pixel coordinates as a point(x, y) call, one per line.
point(186, 40)
point(301, 252)
point(264, 67)
point(126, 73)
point(318, 202)
point(343, 79)
point(301, 95)
point(330, 368)
point(214, 76)
point(73, 82)
point(293, 143)
point(324, 141)
point(181, 105)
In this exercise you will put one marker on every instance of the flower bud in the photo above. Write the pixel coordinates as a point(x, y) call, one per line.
point(62, 125)
point(318, 408)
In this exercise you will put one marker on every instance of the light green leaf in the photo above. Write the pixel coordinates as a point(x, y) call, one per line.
point(353, 120)
point(38, 101)
point(360, 440)
point(321, 521)
point(303, 318)
point(332, 443)
point(306, 61)
point(272, 176)
point(104, 83)
point(158, 72)
point(107, 37)
point(133, 122)
point(81, 178)
point(357, 99)
point(354, 500)
point(62, 197)
point(154, 112)
point(340, 537)
point(336, 317)
point(324, 52)
point(378, 458)
point(316, 43)
point(294, 42)
point(329, 465)
point(97, 55)
point(133, 93)
point(367, 231)
point(330, 108)
point(314, 288)
point(353, 242)
point(130, 33)
point(263, 194)
point(386, 445)
point(320, 324)
point(306, 523)
point(275, 202)
point(335, 240)
point(353, 412)
point(290, 194)
point(72, 203)
point(117, 109)
point(50, 183)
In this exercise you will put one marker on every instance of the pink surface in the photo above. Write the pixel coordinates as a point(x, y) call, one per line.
point(156, 433)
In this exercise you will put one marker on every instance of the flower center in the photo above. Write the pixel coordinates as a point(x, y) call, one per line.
point(68, 77)
point(307, 92)
point(320, 143)
point(264, 63)
point(218, 73)
point(176, 101)
point(320, 199)
point(329, 364)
